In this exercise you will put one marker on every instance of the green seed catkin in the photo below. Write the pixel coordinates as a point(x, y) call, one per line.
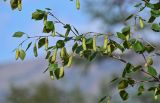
point(19, 5)
point(105, 42)
point(46, 43)
point(61, 72)
point(63, 52)
point(53, 59)
point(70, 61)
point(84, 43)
point(35, 50)
point(94, 44)
point(141, 23)
point(17, 54)
point(78, 4)
point(109, 48)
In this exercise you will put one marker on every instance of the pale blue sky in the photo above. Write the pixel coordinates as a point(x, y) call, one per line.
point(12, 21)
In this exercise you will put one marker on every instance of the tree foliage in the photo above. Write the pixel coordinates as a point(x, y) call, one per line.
point(85, 46)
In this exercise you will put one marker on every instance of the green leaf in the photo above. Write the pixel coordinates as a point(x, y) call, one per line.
point(155, 13)
point(149, 48)
point(29, 45)
point(152, 71)
point(124, 95)
point(35, 50)
point(49, 27)
point(155, 6)
point(60, 44)
point(129, 17)
point(14, 4)
point(51, 75)
point(38, 15)
point(121, 36)
point(131, 81)
point(138, 5)
point(156, 27)
point(117, 45)
point(18, 34)
point(48, 54)
point(128, 69)
point(123, 84)
point(74, 46)
point(22, 54)
point(151, 19)
point(114, 79)
point(41, 42)
point(102, 99)
point(87, 54)
point(140, 90)
point(52, 67)
point(68, 27)
point(59, 73)
point(137, 68)
point(126, 30)
point(138, 47)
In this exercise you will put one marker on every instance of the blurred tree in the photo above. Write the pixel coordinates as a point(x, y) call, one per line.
point(43, 93)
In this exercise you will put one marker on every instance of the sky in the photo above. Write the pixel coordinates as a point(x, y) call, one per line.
point(13, 21)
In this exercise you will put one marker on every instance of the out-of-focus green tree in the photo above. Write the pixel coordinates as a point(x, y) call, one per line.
point(43, 93)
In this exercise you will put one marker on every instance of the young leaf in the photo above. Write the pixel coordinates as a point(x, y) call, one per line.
point(18, 34)
point(59, 73)
point(129, 17)
point(122, 85)
point(28, 46)
point(48, 54)
point(41, 42)
point(74, 46)
point(68, 27)
point(14, 4)
point(70, 61)
point(156, 27)
point(124, 95)
point(152, 71)
point(102, 99)
point(38, 15)
point(48, 27)
point(22, 54)
point(60, 44)
point(140, 90)
point(138, 47)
